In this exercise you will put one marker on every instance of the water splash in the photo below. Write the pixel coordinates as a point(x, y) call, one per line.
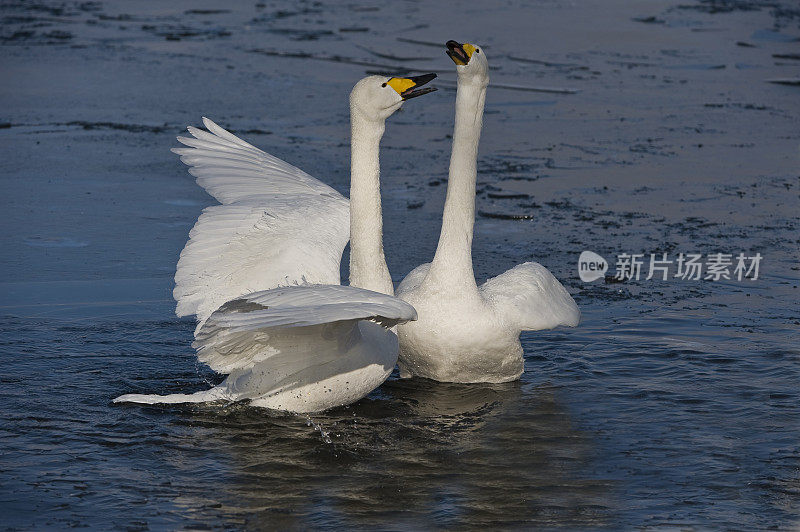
point(326, 435)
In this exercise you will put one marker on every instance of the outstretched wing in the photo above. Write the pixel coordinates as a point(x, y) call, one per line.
point(277, 225)
point(256, 327)
point(529, 298)
point(231, 170)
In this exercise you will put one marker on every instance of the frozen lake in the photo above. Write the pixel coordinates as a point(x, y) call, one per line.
point(661, 129)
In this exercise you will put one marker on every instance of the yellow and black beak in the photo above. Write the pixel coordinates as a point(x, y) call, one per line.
point(460, 53)
point(408, 88)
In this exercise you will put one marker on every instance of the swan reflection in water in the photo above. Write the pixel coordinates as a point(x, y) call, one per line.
point(411, 454)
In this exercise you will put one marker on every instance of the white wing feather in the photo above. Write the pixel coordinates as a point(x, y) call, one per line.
point(529, 298)
point(277, 225)
point(230, 169)
point(253, 328)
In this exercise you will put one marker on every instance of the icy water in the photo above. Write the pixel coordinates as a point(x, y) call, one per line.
point(663, 127)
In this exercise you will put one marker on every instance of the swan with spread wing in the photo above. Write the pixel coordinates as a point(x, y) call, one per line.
point(261, 270)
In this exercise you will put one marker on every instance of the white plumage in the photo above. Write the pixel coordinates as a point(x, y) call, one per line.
point(261, 271)
point(298, 348)
point(227, 340)
point(277, 225)
point(467, 333)
point(529, 298)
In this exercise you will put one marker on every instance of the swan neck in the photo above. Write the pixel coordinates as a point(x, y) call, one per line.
point(367, 262)
point(452, 264)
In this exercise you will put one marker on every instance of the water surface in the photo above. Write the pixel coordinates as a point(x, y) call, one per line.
point(673, 404)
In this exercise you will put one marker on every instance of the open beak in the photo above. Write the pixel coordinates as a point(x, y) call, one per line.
point(457, 53)
point(409, 88)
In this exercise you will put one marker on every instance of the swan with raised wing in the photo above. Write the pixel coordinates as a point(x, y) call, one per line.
point(261, 270)
point(466, 333)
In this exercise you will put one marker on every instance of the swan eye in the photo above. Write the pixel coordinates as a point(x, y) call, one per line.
point(478, 50)
point(383, 84)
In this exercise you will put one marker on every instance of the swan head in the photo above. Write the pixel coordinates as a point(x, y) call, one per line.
point(377, 97)
point(470, 60)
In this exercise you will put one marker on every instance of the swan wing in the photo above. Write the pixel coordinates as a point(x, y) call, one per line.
point(530, 298)
point(277, 226)
point(252, 329)
point(231, 169)
point(255, 245)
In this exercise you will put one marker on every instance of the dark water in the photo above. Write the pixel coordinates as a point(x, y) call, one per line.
point(674, 403)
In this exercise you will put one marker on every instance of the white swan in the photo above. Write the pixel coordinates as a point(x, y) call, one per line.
point(465, 333)
point(261, 271)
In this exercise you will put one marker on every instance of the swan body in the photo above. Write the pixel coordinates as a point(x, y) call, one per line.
point(261, 270)
point(466, 333)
